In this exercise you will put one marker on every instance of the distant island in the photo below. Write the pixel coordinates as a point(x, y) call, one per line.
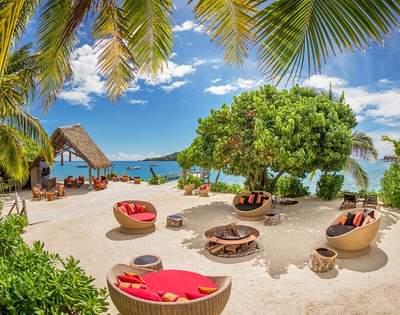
point(169, 157)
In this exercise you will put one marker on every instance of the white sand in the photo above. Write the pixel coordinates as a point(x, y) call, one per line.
point(277, 280)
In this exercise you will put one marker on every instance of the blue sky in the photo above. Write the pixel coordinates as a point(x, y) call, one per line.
point(159, 116)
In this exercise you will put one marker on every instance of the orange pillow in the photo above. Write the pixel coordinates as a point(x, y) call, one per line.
point(357, 219)
point(140, 208)
point(172, 297)
point(207, 290)
point(241, 200)
point(130, 285)
point(259, 198)
point(251, 198)
point(343, 220)
point(134, 274)
point(130, 208)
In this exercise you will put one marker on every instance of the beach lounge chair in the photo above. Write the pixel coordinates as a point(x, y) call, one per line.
point(69, 181)
point(351, 238)
point(61, 191)
point(132, 221)
point(37, 193)
point(253, 204)
point(80, 181)
point(99, 185)
point(211, 304)
point(371, 201)
point(349, 201)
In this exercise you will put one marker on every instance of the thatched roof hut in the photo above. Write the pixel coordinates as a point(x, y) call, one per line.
point(76, 140)
point(73, 140)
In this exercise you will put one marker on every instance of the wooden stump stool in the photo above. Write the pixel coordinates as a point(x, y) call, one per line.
point(188, 189)
point(322, 260)
point(174, 221)
point(151, 262)
point(137, 180)
point(272, 219)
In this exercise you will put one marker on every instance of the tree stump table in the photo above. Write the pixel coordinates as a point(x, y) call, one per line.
point(151, 262)
point(322, 260)
point(174, 221)
point(272, 219)
point(188, 188)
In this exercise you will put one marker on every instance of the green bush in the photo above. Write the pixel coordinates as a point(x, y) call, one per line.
point(111, 175)
point(329, 186)
point(157, 180)
point(191, 179)
point(390, 186)
point(34, 281)
point(290, 186)
point(227, 188)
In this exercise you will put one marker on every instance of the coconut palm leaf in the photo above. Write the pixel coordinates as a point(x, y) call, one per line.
point(396, 144)
point(295, 33)
point(357, 172)
point(9, 17)
point(363, 146)
point(151, 42)
point(54, 54)
point(230, 24)
point(116, 62)
point(12, 159)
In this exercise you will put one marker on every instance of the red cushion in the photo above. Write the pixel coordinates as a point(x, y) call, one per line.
point(143, 216)
point(130, 208)
point(123, 210)
point(142, 294)
point(194, 296)
point(140, 208)
point(120, 203)
point(180, 282)
point(130, 279)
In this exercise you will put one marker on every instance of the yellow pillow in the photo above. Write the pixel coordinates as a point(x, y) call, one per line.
point(343, 220)
point(207, 290)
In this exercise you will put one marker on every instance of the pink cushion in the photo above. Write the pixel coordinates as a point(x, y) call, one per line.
point(142, 294)
point(143, 216)
point(179, 282)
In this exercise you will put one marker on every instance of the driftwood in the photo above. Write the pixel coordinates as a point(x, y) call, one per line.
point(322, 260)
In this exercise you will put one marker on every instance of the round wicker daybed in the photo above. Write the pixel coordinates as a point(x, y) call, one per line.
point(126, 304)
point(252, 210)
point(359, 237)
point(131, 225)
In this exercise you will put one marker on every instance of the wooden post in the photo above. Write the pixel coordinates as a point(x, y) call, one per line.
point(98, 173)
point(322, 260)
point(90, 178)
point(62, 159)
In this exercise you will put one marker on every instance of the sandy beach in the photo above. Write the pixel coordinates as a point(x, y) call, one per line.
point(275, 280)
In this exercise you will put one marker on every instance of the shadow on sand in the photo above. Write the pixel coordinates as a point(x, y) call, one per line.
point(116, 234)
point(289, 243)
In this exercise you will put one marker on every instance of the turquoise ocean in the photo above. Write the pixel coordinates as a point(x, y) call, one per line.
point(375, 170)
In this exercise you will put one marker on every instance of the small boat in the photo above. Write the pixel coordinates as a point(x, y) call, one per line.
point(133, 167)
point(81, 166)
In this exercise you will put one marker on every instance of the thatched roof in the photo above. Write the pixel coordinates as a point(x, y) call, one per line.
point(75, 139)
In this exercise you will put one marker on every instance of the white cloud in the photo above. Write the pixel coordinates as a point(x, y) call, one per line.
point(85, 80)
point(239, 84)
point(215, 67)
point(198, 61)
point(188, 26)
point(221, 89)
point(383, 147)
point(170, 71)
point(174, 85)
point(216, 80)
point(123, 156)
point(138, 102)
point(379, 104)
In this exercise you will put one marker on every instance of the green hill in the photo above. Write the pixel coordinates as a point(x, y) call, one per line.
point(169, 157)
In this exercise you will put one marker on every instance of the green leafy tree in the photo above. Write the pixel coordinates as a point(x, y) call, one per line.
point(396, 144)
point(390, 182)
point(267, 133)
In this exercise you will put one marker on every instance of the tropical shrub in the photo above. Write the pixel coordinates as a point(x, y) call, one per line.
point(111, 175)
point(290, 186)
point(269, 132)
point(190, 179)
point(34, 281)
point(227, 188)
point(390, 186)
point(157, 180)
point(329, 186)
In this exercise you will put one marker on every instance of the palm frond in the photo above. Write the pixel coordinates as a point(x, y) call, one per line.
point(151, 41)
point(12, 160)
point(363, 146)
point(359, 175)
point(230, 24)
point(27, 12)
point(116, 62)
point(54, 55)
point(297, 32)
point(9, 18)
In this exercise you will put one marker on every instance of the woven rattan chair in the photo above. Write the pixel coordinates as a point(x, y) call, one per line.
point(358, 238)
point(260, 211)
point(126, 304)
point(129, 224)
